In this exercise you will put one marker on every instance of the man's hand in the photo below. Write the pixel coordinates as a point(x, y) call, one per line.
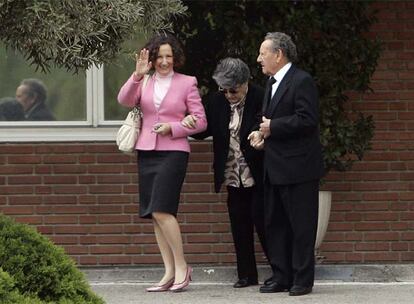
point(189, 121)
point(256, 140)
point(265, 127)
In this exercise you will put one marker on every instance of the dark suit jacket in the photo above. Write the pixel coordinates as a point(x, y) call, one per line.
point(39, 112)
point(218, 118)
point(293, 152)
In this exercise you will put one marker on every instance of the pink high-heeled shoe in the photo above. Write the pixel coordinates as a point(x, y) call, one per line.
point(180, 286)
point(163, 287)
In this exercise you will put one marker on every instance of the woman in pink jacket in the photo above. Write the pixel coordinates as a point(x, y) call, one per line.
point(163, 146)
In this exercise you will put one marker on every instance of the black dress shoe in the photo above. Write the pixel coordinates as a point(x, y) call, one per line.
point(297, 290)
point(273, 287)
point(268, 281)
point(245, 282)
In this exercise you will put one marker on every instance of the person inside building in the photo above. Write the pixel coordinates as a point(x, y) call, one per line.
point(31, 94)
point(11, 110)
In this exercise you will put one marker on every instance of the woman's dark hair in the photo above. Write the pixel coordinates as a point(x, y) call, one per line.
point(153, 46)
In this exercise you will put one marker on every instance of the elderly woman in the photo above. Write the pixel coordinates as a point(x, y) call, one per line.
point(163, 147)
point(232, 113)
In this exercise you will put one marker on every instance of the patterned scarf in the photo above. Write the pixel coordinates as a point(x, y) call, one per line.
point(237, 172)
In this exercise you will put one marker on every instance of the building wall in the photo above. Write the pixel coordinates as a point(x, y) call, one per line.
point(372, 219)
point(84, 195)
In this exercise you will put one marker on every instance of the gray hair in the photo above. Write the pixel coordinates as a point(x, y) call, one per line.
point(35, 87)
point(281, 41)
point(231, 72)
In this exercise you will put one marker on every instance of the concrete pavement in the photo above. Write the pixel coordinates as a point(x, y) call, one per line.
point(335, 284)
point(198, 293)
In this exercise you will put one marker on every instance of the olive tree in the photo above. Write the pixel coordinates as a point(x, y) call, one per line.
point(76, 34)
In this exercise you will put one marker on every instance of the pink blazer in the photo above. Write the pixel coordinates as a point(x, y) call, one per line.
point(181, 99)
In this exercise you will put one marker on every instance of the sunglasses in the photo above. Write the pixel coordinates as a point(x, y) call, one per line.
point(228, 91)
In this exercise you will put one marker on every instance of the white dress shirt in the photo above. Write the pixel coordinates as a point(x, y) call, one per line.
point(161, 86)
point(279, 76)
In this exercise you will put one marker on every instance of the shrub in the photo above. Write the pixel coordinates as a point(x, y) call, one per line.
point(8, 294)
point(34, 267)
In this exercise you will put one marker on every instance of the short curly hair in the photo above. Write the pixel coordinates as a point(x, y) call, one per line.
point(153, 46)
point(231, 72)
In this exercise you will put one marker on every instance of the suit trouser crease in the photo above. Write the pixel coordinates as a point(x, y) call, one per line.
point(291, 217)
point(246, 213)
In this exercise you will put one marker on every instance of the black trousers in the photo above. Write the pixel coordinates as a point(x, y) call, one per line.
point(291, 219)
point(245, 206)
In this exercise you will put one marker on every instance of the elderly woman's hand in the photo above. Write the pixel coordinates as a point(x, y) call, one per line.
point(189, 121)
point(256, 140)
point(142, 65)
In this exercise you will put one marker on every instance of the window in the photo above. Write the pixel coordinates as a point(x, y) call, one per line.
point(114, 76)
point(77, 107)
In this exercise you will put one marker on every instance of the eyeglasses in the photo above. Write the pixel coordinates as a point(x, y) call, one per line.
point(228, 91)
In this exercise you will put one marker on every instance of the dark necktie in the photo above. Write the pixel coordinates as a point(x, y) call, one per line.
point(268, 96)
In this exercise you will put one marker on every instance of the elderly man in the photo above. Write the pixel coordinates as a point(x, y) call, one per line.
point(293, 165)
point(31, 94)
point(232, 113)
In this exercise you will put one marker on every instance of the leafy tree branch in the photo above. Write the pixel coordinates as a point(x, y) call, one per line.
point(76, 34)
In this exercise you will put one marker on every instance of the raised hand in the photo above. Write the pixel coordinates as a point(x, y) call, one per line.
point(142, 65)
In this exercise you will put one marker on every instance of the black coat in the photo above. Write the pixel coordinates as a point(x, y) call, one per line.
point(218, 119)
point(293, 152)
point(39, 112)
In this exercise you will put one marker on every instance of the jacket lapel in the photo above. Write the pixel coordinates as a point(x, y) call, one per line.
point(281, 90)
point(247, 112)
point(225, 114)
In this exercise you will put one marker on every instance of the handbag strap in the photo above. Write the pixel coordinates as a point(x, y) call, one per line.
point(137, 108)
point(144, 82)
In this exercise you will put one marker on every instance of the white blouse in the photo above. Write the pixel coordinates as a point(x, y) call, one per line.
point(161, 86)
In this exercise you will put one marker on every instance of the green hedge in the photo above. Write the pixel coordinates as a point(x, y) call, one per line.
point(9, 295)
point(33, 269)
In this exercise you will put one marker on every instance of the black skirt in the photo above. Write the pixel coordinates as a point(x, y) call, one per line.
point(161, 176)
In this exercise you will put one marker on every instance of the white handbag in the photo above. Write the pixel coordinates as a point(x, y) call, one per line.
point(128, 133)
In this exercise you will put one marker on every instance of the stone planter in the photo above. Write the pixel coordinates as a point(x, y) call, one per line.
point(325, 198)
